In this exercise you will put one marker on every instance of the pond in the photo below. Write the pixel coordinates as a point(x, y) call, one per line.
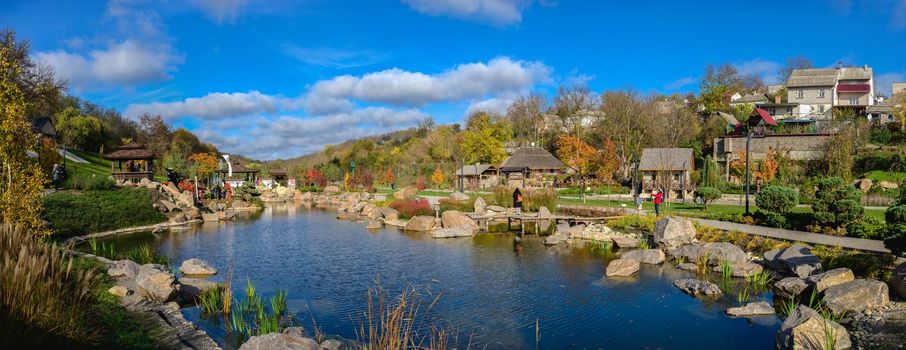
point(493, 291)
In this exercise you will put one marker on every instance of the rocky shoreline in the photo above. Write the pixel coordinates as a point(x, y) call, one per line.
point(868, 318)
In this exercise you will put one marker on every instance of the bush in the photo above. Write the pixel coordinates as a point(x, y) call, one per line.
point(868, 228)
point(408, 208)
point(836, 202)
point(707, 194)
point(880, 136)
point(74, 214)
point(771, 219)
point(89, 182)
point(310, 189)
point(895, 218)
point(503, 196)
point(450, 204)
point(535, 199)
point(777, 199)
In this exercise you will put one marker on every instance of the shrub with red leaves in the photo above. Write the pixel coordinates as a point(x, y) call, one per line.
point(315, 178)
point(412, 207)
point(186, 186)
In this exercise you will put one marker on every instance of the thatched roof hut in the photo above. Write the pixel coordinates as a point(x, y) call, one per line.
point(531, 159)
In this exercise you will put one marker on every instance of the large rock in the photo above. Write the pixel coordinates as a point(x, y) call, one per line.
point(455, 218)
point(671, 232)
point(196, 266)
point(856, 296)
point(459, 196)
point(888, 185)
point(790, 287)
point(279, 341)
point(210, 217)
point(744, 269)
point(374, 225)
point(189, 287)
point(119, 291)
point(622, 268)
point(452, 232)
point(479, 205)
point(646, 256)
point(306, 196)
point(408, 192)
point(830, 278)
point(625, 242)
point(697, 287)
point(331, 189)
point(752, 309)
point(155, 283)
point(389, 214)
point(544, 213)
point(124, 269)
point(864, 184)
point(420, 223)
point(555, 239)
point(806, 329)
point(796, 259)
point(716, 253)
point(897, 281)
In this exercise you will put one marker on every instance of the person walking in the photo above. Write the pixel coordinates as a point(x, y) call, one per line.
point(657, 197)
point(517, 200)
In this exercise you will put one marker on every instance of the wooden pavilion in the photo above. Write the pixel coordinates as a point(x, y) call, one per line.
point(131, 161)
point(241, 173)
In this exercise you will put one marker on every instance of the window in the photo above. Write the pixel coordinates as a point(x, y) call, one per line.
point(820, 108)
point(789, 110)
point(854, 101)
point(821, 93)
point(799, 94)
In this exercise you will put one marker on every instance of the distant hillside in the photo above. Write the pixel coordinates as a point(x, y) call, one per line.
point(394, 137)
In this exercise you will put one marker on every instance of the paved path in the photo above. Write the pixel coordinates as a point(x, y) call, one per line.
point(71, 156)
point(806, 237)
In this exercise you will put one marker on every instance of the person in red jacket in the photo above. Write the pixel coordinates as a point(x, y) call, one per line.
point(657, 197)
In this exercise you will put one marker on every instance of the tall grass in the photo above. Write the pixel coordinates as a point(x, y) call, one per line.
point(246, 318)
point(399, 322)
point(144, 254)
point(43, 299)
point(536, 198)
point(103, 249)
point(89, 182)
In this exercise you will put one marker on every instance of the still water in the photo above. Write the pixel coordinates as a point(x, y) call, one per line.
point(487, 289)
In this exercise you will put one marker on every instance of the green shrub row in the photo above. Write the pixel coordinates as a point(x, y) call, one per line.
point(79, 213)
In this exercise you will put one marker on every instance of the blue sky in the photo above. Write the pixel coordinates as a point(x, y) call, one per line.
point(277, 79)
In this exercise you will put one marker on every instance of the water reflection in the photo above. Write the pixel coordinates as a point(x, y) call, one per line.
point(492, 286)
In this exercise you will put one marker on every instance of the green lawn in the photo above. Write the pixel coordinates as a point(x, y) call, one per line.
point(880, 175)
point(97, 166)
point(73, 213)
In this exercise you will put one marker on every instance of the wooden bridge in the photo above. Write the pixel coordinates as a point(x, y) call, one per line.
point(484, 221)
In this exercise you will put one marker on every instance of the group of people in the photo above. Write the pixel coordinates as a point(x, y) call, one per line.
point(58, 175)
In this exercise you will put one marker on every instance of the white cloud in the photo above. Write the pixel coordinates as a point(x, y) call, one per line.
point(212, 105)
point(497, 105)
point(765, 69)
point(465, 81)
point(222, 10)
point(497, 12)
point(291, 136)
point(137, 52)
point(333, 58)
point(679, 83)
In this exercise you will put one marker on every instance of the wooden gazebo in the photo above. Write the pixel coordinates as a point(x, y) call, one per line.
point(241, 173)
point(131, 161)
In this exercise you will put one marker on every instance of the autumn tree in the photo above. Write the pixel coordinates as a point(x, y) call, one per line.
point(577, 154)
point(22, 181)
point(389, 178)
point(607, 161)
point(205, 163)
point(80, 131)
point(738, 165)
point(769, 166)
point(484, 138)
point(438, 178)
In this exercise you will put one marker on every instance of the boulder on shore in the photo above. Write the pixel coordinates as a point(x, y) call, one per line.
point(452, 232)
point(407, 192)
point(279, 341)
point(796, 259)
point(155, 283)
point(790, 287)
point(897, 281)
point(196, 266)
point(622, 268)
point(752, 309)
point(646, 256)
point(716, 253)
point(389, 214)
point(189, 287)
point(420, 223)
point(625, 242)
point(124, 269)
point(830, 278)
point(456, 218)
point(374, 225)
point(119, 291)
point(804, 328)
point(856, 296)
point(331, 189)
point(479, 205)
point(697, 287)
point(671, 232)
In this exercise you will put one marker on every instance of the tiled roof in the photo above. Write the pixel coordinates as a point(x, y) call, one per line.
point(812, 77)
point(659, 159)
point(131, 150)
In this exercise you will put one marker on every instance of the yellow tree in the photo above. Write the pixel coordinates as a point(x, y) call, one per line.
point(438, 178)
point(577, 154)
point(22, 180)
point(205, 164)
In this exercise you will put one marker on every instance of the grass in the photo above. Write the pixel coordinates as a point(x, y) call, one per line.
point(245, 318)
point(881, 175)
point(643, 242)
point(52, 300)
point(73, 213)
point(97, 165)
point(399, 322)
point(144, 254)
